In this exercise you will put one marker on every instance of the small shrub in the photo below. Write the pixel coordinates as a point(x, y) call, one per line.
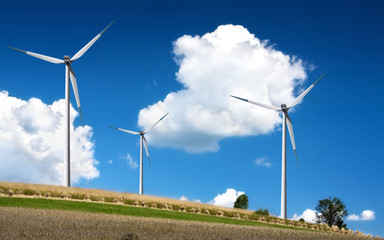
point(19, 192)
point(236, 215)
point(143, 204)
point(29, 192)
point(301, 220)
point(117, 200)
point(165, 206)
point(1, 191)
point(220, 214)
point(192, 210)
point(314, 227)
point(87, 197)
point(154, 205)
point(170, 207)
point(65, 196)
point(182, 209)
point(38, 194)
point(272, 221)
point(198, 211)
point(291, 223)
point(47, 194)
point(101, 199)
point(206, 211)
point(10, 192)
point(245, 217)
point(264, 212)
point(262, 219)
point(136, 203)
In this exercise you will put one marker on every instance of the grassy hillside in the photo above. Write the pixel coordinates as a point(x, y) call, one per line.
point(107, 202)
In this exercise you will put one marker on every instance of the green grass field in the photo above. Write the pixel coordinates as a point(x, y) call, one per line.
point(41, 203)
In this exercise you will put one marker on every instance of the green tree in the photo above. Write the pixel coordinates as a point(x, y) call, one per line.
point(262, 212)
point(331, 211)
point(241, 202)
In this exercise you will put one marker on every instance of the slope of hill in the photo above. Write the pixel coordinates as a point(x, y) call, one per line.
point(92, 208)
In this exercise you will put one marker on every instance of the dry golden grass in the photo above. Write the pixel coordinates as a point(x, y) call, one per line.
point(95, 194)
point(80, 194)
point(24, 223)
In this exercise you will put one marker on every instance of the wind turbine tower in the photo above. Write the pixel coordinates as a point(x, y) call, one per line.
point(69, 74)
point(286, 123)
point(143, 141)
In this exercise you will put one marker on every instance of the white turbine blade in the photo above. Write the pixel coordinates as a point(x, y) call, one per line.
point(271, 107)
point(43, 57)
point(155, 123)
point(290, 130)
point(76, 91)
point(302, 95)
point(127, 131)
point(86, 47)
point(146, 149)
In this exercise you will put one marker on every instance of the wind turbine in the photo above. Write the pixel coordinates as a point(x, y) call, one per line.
point(286, 122)
point(68, 74)
point(142, 141)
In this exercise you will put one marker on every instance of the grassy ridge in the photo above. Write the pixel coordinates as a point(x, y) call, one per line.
point(124, 210)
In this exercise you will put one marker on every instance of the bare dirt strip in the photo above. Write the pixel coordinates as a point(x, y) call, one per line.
point(25, 223)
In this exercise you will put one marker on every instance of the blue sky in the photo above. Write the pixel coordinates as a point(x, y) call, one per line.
point(133, 66)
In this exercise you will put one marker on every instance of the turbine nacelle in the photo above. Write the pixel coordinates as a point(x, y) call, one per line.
point(284, 107)
point(67, 60)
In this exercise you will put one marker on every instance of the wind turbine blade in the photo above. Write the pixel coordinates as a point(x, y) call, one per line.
point(155, 123)
point(302, 95)
point(146, 149)
point(127, 131)
point(259, 104)
point(75, 90)
point(290, 130)
point(86, 47)
point(43, 57)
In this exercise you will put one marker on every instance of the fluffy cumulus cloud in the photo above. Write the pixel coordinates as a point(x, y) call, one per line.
point(228, 61)
point(366, 215)
point(308, 215)
point(32, 142)
point(263, 161)
point(184, 198)
point(226, 199)
point(130, 162)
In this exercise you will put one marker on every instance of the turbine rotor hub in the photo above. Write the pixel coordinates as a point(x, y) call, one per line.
point(67, 59)
point(141, 133)
point(284, 107)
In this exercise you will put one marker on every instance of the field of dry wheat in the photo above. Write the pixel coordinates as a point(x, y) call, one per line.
point(24, 223)
point(96, 193)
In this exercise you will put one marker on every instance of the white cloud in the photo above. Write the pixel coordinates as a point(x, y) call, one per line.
point(308, 215)
point(131, 163)
point(110, 161)
point(366, 215)
point(228, 61)
point(226, 199)
point(184, 198)
point(353, 217)
point(32, 142)
point(263, 162)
